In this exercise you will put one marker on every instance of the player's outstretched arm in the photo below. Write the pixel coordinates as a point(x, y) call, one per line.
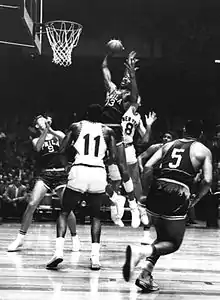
point(107, 75)
point(146, 132)
point(131, 70)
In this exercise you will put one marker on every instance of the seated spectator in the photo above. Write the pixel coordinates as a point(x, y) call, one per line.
point(3, 185)
point(15, 199)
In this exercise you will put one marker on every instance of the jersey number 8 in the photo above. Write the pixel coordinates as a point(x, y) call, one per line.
point(128, 128)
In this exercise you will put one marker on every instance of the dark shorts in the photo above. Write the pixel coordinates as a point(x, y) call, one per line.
point(53, 179)
point(94, 201)
point(118, 132)
point(169, 200)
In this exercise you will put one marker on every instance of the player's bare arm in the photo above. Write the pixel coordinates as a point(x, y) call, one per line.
point(111, 144)
point(131, 69)
point(158, 155)
point(57, 133)
point(144, 156)
point(145, 133)
point(202, 156)
point(107, 75)
point(66, 142)
point(69, 137)
point(38, 142)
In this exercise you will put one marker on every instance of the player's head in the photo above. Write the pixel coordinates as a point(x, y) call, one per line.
point(193, 128)
point(125, 82)
point(168, 136)
point(41, 120)
point(94, 113)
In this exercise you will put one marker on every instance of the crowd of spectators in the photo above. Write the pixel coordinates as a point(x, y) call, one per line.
point(17, 167)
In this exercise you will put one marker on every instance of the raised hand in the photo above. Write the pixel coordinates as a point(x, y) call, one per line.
point(132, 60)
point(150, 118)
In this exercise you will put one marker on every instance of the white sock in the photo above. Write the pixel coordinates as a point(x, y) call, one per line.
point(132, 203)
point(113, 198)
point(146, 250)
point(147, 235)
point(20, 237)
point(60, 244)
point(95, 249)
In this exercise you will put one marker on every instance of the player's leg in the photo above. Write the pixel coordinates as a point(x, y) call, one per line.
point(113, 191)
point(76, 186)
point(127, 184)
point(71, 223)
point(37, 195)
point(70, 200)
point(97, 182)
point(95, 201)
point(170, 235)
point(135, 176)
point(146, 181)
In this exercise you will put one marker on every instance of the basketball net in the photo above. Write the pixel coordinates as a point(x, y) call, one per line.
point(63, 36)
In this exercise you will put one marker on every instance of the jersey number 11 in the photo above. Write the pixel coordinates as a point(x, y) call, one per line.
point(96, 140)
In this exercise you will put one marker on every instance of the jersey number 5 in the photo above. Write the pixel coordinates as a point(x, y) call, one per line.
point(177, 157)
point(96, 140)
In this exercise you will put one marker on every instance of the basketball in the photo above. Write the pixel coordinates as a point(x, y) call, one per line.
point(115, 45)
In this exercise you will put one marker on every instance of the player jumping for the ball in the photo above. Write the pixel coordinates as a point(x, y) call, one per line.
point(118, 99)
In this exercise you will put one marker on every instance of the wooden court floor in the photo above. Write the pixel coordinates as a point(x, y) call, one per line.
point(191, 273)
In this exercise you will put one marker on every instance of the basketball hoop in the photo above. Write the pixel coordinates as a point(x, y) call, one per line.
point(63, 36)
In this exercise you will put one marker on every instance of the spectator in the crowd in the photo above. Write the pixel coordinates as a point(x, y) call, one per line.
point(15, 199)
point(3, 184)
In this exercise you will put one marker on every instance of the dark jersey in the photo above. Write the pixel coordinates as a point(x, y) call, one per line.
point(177, 165)
point(113, 109)
point(49, 157)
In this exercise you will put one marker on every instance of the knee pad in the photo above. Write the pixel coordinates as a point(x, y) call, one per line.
point(114, 173)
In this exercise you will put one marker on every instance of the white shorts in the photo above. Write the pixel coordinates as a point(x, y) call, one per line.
point(130, 153)
point(87, 179)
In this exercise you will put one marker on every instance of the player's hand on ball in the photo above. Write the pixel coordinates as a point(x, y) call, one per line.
point(114, 46)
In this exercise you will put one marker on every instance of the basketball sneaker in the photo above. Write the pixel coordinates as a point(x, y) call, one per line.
point(95, 263)
point(120, 205)
point(146, 282)
point(119, 223)
point(135, 215)
point(132, 258)
point(117, 210)
point(16, 245)
point(55, 260)
point(114, 212)
point(75, 243)
point(143, 214)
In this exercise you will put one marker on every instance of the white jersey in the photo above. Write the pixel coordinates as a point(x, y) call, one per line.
point(90, 145)
point(130, 122)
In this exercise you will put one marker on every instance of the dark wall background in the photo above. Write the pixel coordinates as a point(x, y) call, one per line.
point(176, 42)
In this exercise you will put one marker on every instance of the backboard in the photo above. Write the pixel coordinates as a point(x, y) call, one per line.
point(17, 23)
point(32, 15)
